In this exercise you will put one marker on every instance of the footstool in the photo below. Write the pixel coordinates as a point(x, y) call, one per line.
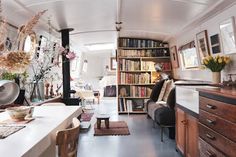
point(101, 117)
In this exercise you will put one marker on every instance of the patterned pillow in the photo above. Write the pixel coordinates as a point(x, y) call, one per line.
point(169, 86)
point(163, 89)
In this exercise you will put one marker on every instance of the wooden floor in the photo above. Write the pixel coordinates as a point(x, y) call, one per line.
point(144, 140)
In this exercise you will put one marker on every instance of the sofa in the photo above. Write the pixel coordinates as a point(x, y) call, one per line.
point(161, 110)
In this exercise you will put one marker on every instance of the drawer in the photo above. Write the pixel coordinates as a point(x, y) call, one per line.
point(218, 141)
point(218, 108)
point(224, 127)
point(206, 150)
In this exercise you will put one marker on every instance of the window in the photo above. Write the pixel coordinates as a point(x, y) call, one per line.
point(190, 58)
point(189, 55)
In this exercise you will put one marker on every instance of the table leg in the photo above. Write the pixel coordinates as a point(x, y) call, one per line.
point(99, 124)
point(107, 123)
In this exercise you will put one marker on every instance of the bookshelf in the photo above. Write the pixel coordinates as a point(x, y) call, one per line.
point(136, 60)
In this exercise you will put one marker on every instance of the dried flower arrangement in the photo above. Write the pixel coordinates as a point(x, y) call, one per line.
point(17, 61)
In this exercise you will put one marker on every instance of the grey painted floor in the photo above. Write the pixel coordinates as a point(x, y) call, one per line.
point(144, 140)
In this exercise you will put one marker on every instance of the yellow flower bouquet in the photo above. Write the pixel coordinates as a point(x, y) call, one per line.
point(217, 63)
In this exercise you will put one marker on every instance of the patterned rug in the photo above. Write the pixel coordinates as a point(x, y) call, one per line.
point(86, 117)
point(116, 128)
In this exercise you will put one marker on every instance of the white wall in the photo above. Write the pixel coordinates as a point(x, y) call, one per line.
point(212, 27)
point(97, 62)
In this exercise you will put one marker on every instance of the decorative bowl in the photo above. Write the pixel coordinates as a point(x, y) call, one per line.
point(18, 113)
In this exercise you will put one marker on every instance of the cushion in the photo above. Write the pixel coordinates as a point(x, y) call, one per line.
point(171, 99)
point(165, 116)
point(163, 90)
point(169, 86)
point(156, 90)
point(152, 108)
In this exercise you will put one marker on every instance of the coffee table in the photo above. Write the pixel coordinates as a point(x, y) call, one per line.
point(101, 117)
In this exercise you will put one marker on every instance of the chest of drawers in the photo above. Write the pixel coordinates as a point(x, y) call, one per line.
point(217, 125)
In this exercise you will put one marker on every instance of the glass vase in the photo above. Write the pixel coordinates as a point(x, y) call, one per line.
point(37, 93)
point(216, 77)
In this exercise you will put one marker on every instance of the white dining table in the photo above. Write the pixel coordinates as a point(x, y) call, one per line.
point(38, 137)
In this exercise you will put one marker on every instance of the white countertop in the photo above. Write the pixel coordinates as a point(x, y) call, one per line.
point(188, 97)
point(38, 135)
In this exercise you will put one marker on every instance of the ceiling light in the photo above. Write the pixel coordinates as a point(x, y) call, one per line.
point(100, 46)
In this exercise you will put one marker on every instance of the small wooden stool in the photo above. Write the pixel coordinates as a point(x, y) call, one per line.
point(102, 117)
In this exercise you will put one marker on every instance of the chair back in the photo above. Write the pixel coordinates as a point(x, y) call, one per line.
point(67, 140)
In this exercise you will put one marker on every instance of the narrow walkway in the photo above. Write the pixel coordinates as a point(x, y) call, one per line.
point(144, 140)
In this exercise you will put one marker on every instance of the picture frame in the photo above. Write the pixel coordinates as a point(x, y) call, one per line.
point(113, 63)
point(174, 57)
point(215, 44)
point(227, 33)
point(202, 45)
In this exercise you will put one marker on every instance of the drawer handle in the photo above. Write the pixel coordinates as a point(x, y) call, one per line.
point(210, 137)
point(210, 106)
point(210, 121)
point(209, 154)
point(184, 122)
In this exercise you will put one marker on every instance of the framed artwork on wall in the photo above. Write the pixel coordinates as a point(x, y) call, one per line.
point(215, 44)
point(227, 32)
point(202, 45)
point(113, 63)
point(174, 57)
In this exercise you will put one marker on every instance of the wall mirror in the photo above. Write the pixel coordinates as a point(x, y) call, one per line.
point(27, 42)
point(30, 43)
point(227, 32)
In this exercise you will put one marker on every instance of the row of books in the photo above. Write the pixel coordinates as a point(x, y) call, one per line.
point(127, 42)
point(148, 65)
point(140, 91)
point(128, 105)
point(129, 65)
point(144, 53)
point(130, 78)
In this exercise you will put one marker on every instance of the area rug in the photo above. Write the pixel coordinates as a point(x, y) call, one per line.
point(116, 128)
point(86, 117)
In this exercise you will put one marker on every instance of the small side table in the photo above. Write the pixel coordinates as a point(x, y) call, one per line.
point(101, 117)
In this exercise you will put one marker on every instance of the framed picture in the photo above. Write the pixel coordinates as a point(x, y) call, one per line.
point(42, 43)
point(202, 45)
point(227, 32)
point(174, 57)
point(215, 44)
point(113, 63)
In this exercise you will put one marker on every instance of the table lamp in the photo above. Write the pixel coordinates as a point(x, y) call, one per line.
point(9, 91)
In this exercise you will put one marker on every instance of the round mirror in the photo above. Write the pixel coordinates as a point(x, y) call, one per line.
point(29, 44)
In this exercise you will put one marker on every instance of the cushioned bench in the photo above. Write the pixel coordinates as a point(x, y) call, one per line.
point(162, 112)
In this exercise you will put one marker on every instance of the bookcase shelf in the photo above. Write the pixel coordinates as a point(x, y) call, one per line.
point(136, 77)
point(142, 48)
point(165, 57)
point(138, 84)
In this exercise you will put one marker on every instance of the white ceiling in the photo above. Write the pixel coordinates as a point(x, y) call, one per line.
point(94, 20)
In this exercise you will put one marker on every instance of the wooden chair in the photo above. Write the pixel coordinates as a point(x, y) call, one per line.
point(67, 140)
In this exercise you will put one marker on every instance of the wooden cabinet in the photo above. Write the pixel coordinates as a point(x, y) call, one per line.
point(180, 130)
point(186, 133)
point(217, 126)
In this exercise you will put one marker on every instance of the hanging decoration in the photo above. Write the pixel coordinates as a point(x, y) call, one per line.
point(16, 61)
point(3, 30)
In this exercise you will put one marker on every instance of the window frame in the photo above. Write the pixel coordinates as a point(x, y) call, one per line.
point(183, 59)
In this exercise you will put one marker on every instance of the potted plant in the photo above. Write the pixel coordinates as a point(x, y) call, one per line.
point(216, 64)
